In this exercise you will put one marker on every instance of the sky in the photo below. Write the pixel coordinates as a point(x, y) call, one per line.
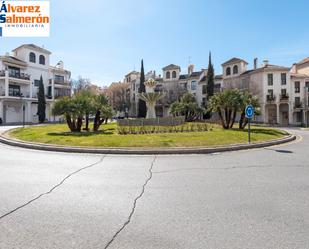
point(103, 40)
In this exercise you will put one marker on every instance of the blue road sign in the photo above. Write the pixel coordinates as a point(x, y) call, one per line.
point(249, 111)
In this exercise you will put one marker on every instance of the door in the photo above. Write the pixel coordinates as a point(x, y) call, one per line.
point(285, 118)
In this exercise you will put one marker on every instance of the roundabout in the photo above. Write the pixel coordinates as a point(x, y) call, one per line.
point(242, 199)
point(108, 141)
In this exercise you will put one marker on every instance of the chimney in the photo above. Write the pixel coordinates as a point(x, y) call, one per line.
point(190, 69)
point(7, 54)
point(255, 63)
point(265, 62)
point(294, 68)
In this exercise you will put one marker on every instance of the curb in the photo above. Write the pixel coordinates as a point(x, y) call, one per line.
point(144, 151)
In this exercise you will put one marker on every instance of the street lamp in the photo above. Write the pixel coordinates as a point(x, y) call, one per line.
point(23, 107)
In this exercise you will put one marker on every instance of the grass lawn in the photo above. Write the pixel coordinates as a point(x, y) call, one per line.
point(108, 137)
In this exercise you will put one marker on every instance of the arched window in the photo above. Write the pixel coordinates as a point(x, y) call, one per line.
point(235, 69)
point(168, 75)
point(32, 57)
point(42, 60)
point(174, 74)
point(228, 71)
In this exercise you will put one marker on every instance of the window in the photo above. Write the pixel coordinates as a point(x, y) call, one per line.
point(270, 78)
point(168, 75)
point(37, 83)
point(174, 74)
point(49, 92)
point(307, 85)
point(42, 60)
point(193, 85)
point(133, 86)
point(217, 87)
point(297, 86)
point(235, 69)
point(14, 90)
point(228, 71)
point(204, 102)
point(59, 78)
point(297, 101)
point(14, 72)
point(298, 117)
point(204, 89)
point(283, 92)
point(283, 79)
point(32, 57)
point(271, 92)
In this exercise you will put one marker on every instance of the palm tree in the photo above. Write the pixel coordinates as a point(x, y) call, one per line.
point(102, 111)
point(188, 107)
point(226, 104)
point(87, 96)
point(247, 99)
point(68, 108)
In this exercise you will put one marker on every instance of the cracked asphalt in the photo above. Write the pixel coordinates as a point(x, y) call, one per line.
point(246, 199)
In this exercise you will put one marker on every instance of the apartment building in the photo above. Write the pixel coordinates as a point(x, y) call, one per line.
point(282, 91)
point(174, 84)
point(20, 74)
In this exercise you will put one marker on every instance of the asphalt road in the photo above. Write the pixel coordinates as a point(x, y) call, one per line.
point(245, 199)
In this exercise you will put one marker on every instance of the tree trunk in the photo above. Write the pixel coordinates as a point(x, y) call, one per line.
point(87, 122)
point(69, 123)
point(79, 124)
point(233, 118)
point(221, 118)
point(241, 120)
point(96, 120)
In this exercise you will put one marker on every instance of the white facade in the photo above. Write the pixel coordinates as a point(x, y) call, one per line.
point(20, 74)
point(282, 91)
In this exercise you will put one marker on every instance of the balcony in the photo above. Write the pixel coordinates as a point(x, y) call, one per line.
point(19, 95)
point(284, 97)
point(60, 82)
point(298, 105)
point(270, 98)
point(21, 76)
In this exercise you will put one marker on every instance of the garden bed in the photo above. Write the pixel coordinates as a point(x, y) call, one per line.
point(109, 137)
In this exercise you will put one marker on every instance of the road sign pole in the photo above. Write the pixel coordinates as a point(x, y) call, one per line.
point(249, 111)
point(249, 131)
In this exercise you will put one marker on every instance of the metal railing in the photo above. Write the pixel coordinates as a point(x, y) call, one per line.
point(22, 76)
point(284, 97)
point(60, 82)
point(270, 98)
point(298, 105)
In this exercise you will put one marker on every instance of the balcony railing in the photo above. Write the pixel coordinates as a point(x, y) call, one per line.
point(21, 76)
point(270, 98)
point(19, 95)
point(298, 105)
point(284, 97)
point(60, 82)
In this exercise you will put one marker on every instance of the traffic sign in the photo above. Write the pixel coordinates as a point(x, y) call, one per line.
point(249, 111)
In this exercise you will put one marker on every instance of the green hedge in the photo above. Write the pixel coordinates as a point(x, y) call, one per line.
point(188, 127)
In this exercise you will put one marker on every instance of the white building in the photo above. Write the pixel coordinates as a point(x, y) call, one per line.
point(173, 84)
point(19, 80)
point(282, 91)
